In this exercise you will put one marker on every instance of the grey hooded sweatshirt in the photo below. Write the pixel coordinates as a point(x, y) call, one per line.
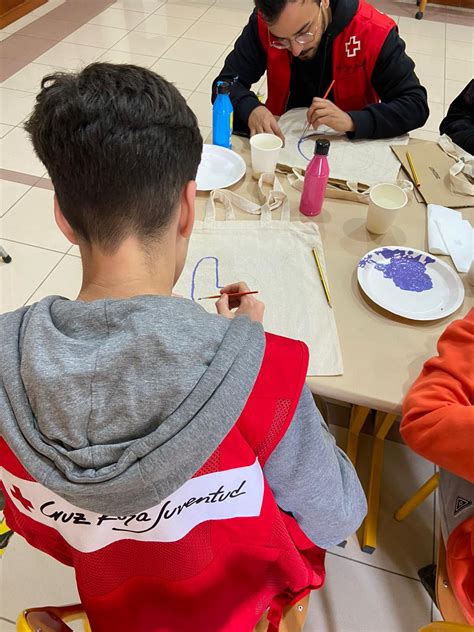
point(114, 404)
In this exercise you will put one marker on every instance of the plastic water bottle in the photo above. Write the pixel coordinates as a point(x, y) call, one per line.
point(315, 180)
point(222, 116)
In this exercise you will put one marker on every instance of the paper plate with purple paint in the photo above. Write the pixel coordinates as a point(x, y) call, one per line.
point(410, 283)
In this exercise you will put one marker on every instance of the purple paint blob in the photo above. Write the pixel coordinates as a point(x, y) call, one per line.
point(193, 277)
point(404, 268)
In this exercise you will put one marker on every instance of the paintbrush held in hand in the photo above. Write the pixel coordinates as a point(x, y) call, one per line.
point(309, 123)
point(230, 295)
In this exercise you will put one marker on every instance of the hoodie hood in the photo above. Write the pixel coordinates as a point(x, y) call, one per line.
point(114, 404)
point(343, 12)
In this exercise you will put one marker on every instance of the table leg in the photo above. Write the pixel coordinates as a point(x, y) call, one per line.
point(359, 415)
point(383, 423)
point(418, 497)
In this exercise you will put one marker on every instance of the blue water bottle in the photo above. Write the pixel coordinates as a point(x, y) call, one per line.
point(222, 116)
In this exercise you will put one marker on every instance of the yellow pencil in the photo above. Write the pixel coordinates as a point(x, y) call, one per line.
point(321, 276)
point(413, 170)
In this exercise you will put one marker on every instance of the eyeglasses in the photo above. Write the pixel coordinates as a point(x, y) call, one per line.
point(303, 38)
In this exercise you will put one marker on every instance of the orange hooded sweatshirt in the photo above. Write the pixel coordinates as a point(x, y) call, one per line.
point(438, 424)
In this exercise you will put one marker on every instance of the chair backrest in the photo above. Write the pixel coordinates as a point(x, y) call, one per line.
point(446, 626)
point(446, 600)
point(5, 535)
point(51, 619)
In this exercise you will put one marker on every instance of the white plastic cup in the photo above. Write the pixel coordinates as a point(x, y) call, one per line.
point(265, 149)
point(385, 201)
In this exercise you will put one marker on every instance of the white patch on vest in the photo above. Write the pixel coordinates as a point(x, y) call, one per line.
point(235, 493)
point(352, 46)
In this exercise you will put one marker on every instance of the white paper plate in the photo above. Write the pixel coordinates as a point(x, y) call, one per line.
point(219, 168)
point(410, 283)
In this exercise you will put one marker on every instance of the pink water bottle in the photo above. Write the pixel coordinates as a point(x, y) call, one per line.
point(315, 180)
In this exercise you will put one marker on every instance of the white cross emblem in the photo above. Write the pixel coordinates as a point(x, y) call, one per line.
point(352, 46)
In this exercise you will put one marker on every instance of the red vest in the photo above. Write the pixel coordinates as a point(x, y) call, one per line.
point(354, 54)
point(212, 556)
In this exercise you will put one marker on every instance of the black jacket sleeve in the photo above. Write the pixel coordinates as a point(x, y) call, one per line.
point(404, 104)
point(247, 62)
point(459, 121)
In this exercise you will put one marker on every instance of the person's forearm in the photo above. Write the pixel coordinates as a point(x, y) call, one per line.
point(424, 430)
point(460, 128)
point(458, 123)
point(244, 103)
point(340, 508)
point(386, 120)
point(464, 138)
point(312, 479)
point(243, 100)
point(243, 67)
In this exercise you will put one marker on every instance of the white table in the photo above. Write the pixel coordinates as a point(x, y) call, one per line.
point(382, 353)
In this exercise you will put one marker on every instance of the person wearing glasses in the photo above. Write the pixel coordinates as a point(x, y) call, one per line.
point(304, 45)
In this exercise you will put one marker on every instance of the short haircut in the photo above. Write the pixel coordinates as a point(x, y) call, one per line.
point(119, 143)
point(271, 9)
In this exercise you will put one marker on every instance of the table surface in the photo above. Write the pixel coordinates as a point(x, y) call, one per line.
point(382, 353)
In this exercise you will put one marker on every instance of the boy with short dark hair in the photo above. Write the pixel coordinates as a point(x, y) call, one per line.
point(173, 457)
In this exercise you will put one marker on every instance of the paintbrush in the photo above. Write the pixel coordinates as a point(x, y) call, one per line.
point(230, 295)
point(306, 127)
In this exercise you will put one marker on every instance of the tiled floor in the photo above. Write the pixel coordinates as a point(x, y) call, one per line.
point(363, 593)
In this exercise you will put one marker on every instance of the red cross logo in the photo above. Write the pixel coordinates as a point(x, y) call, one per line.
point(16, 493)
point(352, 46)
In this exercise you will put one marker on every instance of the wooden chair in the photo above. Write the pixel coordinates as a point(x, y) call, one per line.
point(51, 619)
point(54, 619)
point(454, 620)
point(445, 598)
point(293, 619)
point(5, 535)
point(446, 626)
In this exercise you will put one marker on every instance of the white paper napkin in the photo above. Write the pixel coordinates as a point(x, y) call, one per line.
point(444, 216)
point(458, 238)
point(450, 234)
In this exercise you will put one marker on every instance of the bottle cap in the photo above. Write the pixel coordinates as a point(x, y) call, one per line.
point(321, 148)
point(223, 87)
